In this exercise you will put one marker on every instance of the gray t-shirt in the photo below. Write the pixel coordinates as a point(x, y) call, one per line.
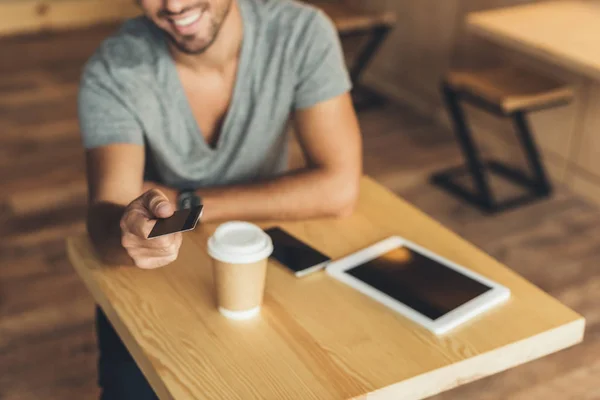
point(130, 92)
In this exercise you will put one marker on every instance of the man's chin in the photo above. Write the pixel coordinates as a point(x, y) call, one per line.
point(191, 45)
point(193, 48)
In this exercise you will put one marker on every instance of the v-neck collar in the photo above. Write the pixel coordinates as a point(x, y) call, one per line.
point(240, 82)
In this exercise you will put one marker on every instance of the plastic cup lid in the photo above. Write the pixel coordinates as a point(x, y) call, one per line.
point(239, 243)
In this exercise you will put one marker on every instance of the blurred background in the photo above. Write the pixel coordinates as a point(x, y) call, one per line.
point(401, 51)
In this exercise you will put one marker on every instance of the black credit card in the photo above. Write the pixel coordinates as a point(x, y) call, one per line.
point(181, 221)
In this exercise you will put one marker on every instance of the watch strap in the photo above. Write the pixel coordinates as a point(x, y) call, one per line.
point(188, 199)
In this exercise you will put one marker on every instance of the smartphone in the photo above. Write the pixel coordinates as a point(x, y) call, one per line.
point(294, 254)
point(181, 221)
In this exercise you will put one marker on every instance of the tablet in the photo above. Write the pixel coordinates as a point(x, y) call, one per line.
point(424, 287)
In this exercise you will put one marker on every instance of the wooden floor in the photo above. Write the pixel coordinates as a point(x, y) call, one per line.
point(47, 344)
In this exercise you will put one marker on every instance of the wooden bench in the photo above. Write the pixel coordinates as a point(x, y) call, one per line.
point(350, 21)
point(506, 91)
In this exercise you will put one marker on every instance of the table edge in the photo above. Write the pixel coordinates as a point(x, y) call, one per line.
point(483, 365)
point(477, 27)
point(155, 381)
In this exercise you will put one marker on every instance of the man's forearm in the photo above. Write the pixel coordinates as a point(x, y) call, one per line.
point(298, 195)
point(105, 232)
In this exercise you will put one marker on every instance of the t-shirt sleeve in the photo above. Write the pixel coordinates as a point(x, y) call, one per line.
point(321, 72)
point(104, 117)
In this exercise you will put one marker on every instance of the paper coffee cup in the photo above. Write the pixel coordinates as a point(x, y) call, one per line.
point(239, 251)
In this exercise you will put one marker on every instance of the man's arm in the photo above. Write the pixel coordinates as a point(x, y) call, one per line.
point(119, 215)
point(114, 175)
point(119, 219)
point(330, 136)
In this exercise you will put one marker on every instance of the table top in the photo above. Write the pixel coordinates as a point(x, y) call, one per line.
point(316, 337)
point(566, 32)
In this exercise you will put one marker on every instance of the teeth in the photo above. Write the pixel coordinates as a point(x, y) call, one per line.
point(187, 20)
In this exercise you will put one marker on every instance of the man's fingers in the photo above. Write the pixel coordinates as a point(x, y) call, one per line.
point(162, 245)
point(147, 227)
point(161, 242)
point(143, 253)
point(152, 263)
point(140, 216)
point(163, 251)
point(137, 220)
point(157, 203)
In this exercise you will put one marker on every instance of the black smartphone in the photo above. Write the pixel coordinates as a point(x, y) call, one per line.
point(181, 221)
point(294, 254)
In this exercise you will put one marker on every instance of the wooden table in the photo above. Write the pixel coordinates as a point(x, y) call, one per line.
point(317, 338)
point(564, 32)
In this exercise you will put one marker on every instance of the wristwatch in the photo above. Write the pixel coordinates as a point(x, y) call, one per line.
point(188, 199)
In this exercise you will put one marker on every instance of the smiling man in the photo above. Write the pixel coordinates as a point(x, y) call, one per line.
point(191, 103)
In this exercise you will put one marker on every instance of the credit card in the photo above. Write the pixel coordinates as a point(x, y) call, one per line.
point(181, 221)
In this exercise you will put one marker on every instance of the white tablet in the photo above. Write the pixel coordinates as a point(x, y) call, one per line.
point(430, 290)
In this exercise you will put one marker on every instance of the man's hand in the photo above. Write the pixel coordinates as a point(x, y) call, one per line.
point(169, 193)
point(137, 222)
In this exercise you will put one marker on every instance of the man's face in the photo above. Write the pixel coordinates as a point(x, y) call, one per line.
point(192, 25)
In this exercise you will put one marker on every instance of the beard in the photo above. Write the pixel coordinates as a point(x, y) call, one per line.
point(190, 44)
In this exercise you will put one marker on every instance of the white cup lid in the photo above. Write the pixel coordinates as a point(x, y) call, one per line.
point(239, 243)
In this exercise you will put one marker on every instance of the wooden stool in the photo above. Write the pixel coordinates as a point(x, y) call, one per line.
point(352, 22)
point(507, 92)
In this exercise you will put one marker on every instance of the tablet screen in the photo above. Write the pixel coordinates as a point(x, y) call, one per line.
point(419, 282)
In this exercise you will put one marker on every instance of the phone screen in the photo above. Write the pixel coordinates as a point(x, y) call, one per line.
point(180, 221)
point(293, 253)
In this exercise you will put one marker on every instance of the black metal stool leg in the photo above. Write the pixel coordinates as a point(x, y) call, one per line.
point(469, 150)
point(377, 36)
point(535, 183)
point(363, 59)
point(541, 183)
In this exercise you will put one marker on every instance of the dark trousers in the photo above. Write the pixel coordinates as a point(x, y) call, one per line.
point(118, 375)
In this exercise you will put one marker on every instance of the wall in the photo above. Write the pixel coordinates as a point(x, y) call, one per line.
point(418, 50)
point(26, 16)
point(431, 36)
